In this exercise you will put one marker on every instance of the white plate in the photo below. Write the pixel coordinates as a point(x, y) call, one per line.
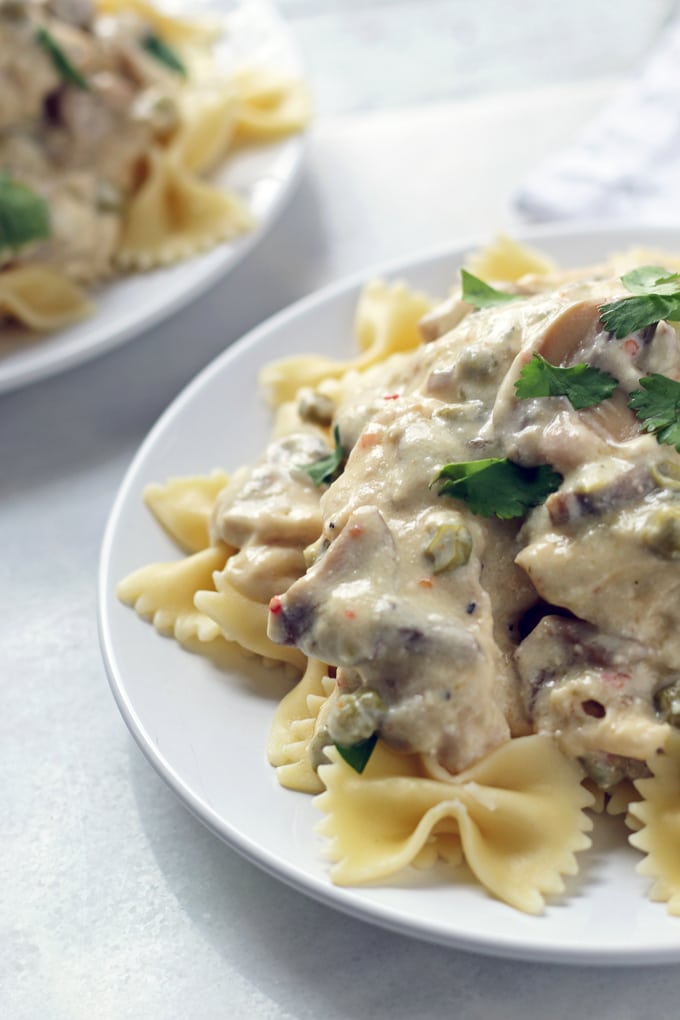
point(204, 729)
point(263, 175)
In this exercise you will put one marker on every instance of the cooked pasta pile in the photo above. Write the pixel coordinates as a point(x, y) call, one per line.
point(485, 644)
point(113, 117)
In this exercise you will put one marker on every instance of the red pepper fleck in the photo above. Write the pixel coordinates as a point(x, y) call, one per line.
point(631, 347)
point(425, 582)
point(391, 396)
point(275, 606)
point(356, 531)
point(350, 614)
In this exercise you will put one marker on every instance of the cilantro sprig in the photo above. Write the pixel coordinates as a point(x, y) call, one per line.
point(497, 486)
point(656, 296)
point(60, 61)
point(326, 469)
point(165, 54)
point(358, 755)
point(24, 215)
point(582, 385)
point(657, 406)
point(481, 294)
point(651, 280)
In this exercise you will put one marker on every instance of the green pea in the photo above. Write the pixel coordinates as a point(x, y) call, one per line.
point(450, 547)
point(661, 532)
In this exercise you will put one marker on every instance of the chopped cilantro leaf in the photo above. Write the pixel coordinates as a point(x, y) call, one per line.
point(651, 280)
point(630, 314)
point(657, 405)
point(159, 49)
point(657, 296)
point(497, 486)
point(61, 63)
point(24, 215)
point(326, 469)
point(357, 755)
point(582, 385)
point(481, 295)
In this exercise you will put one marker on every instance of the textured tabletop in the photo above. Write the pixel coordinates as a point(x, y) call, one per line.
point(114, 901)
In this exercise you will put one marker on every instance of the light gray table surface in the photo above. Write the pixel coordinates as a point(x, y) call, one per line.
point(114, 901)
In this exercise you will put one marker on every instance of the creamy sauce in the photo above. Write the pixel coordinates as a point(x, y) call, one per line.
point(271, 513)
point(453, 632)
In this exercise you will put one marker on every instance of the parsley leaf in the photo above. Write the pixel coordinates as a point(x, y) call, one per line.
point(357, 755)
point(481, 295)
point(657, 405)
point(582, 385)
point(326, 469)
point(159, 49)
point(497, 486)
point(657, 296)
point(61, 63)
point(651, 280)
point(24, 215)
point(630, 314)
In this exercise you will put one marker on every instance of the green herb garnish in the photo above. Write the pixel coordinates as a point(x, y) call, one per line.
point(657, 405)
point(657, 296)
point(582, 385)
point(326, 469)
point(651, 280)
point(481, 295)
point(24, 215)
point(357, 755)
point(61, 63)
point(159, 49)
point(498, 486)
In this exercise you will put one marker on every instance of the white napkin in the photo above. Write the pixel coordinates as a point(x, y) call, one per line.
point(626, 164)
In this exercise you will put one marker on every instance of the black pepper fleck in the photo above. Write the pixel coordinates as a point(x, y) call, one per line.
point(470, 608)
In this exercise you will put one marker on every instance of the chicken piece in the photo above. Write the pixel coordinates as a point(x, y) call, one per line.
point(270, 512)
point(594, 692)
point(430, 677)
point(96, 132)
point(79, 13)
point(612, 561)
point(84, 234)
point(443, 318)
point(27, 75)
point(607, 486)
point(569, 331)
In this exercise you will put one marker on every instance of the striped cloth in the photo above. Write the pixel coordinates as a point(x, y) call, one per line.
point(626, 163)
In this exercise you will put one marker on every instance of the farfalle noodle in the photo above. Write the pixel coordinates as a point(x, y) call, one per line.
point(658, 815)
point(41, 298)
point(183, 506)
point(164, 592)
point(519, 815)
point(386, 323)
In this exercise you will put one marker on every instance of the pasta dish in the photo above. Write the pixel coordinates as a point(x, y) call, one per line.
point(464, 545)
point(113, 116)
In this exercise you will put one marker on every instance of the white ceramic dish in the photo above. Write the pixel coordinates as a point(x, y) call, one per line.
point(262, 175)
point(204, 727)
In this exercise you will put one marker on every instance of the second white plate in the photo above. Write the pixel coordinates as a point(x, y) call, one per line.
point(262, 175)
point(204, 726)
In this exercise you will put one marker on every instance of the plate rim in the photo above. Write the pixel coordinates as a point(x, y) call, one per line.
point(310, 885)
